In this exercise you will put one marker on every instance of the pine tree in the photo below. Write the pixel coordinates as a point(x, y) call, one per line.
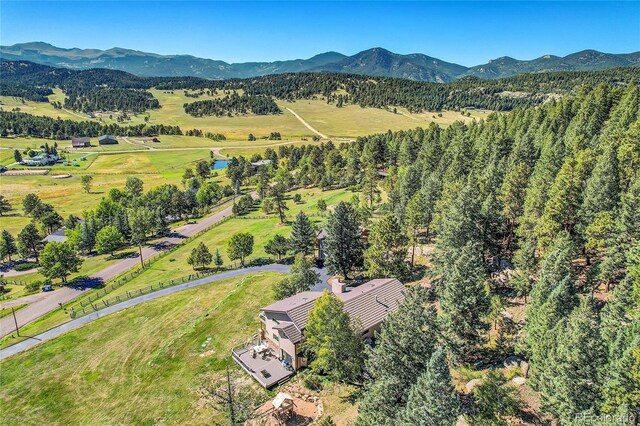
point(464, 301)
point(278, 193)
point(621, 388)
point(217, 260)
point(5, 206)
point(406, 340)
point(574, 378)
point(416, 217)
point(616, 313)
point(625, 232)
point(493, 400)
point(432, 400)
point(602, 192)
point(343, 246)
point(565, 198)
point(458, 223)
point(7, 245)
point(512, 196)
point(386, 255)
point(302, 278)
point(29, 242)
point(302, 235)
point(333, 340)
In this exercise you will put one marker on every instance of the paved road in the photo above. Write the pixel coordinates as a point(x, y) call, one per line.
point(42, 303)
point(13, 273)
point(73, 324)
point(307, 125)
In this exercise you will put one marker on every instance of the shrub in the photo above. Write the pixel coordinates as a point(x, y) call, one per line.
point(26, 266)
point(35, 285)
point(312, 382)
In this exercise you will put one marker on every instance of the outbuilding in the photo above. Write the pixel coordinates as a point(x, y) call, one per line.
point(107, 140)
point(81, 142)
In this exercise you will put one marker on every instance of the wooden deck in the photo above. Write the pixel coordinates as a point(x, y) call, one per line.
point(268, 372)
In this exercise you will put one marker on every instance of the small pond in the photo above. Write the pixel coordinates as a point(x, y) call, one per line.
point(219, 164)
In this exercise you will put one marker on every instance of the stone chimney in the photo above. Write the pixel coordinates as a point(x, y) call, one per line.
point(337, 286)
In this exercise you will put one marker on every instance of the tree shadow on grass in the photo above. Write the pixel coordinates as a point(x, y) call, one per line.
point(163, 245)
point(85, 282)
point(124, 255)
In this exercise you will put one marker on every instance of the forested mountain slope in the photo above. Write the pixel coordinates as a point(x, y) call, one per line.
point(33, 82)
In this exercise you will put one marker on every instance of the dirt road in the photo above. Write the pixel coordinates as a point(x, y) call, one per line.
point(307, 125)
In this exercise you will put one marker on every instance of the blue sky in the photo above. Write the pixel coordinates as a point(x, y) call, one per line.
point(468, 33)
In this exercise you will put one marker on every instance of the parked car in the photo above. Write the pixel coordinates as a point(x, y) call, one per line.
point(47, 287)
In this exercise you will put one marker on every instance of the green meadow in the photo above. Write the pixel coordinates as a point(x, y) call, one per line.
point(144, 365)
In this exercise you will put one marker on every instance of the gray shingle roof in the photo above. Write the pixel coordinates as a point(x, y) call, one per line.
point(58, 236)
point(290, 331)
point(370, 303)
point(296, 307)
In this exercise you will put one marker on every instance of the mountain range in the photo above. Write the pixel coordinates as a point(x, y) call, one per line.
point(375, 62)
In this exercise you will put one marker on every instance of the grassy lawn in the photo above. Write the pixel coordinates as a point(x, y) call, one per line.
point(13, 291)
point(238, 127)
point(7, 311)
point(141, 366)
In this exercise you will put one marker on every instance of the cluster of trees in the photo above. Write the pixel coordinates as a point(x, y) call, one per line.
point(244, 205)
point(90, 99)
point(233, 104)
point(23, 124)
point(26, 92)
point(124, 216)
point(555, 189)
point(201, 256)
point(56, 260)
point(132, 215)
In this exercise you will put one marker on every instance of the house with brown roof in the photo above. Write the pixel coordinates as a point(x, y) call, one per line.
point(277, 351)
point(81, 142)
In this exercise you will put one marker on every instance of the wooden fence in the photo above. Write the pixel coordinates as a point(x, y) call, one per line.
point(93, 304)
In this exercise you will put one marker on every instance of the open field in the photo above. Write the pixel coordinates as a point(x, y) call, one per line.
point(349, 121)
point(141, 366)
point(108, 170)
point(352, 120)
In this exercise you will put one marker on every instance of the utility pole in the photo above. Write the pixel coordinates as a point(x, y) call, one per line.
point(15, 320)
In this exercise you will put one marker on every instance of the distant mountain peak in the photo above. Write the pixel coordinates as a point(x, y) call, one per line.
point(376, 61)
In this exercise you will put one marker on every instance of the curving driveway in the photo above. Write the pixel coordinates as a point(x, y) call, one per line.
point(78, 322)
